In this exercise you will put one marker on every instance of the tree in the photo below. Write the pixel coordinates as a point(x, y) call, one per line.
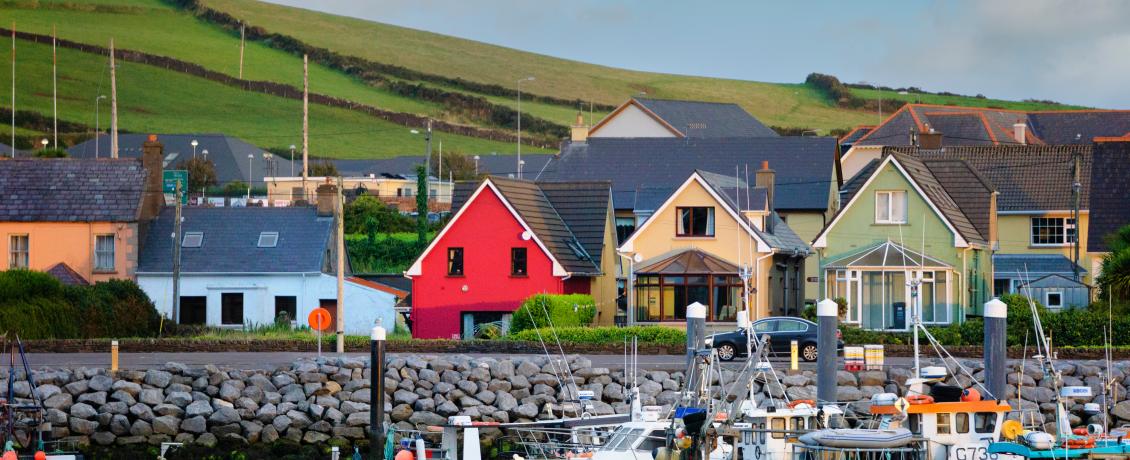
point(235, 188)
point(461, 167)
point(201, 172)
point(1115, 278)
point(421, 206)
point(324, 168)
point(368, 215)
point(51, 153)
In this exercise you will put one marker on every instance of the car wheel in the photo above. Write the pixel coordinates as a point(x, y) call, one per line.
point(808, 352)
point(726, 351)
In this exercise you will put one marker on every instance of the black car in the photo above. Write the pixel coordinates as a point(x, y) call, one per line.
point(781, 330)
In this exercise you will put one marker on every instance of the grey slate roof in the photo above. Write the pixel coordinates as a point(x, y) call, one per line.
point(781, 238)
point(231, 237)
point(1031, 266)
point(67, 275)
point(228, 153)
point(805, 166)
point(70, 190)
point(1109, 210)
point(697, 119)
point(569, 217)
point(1074, 127)
point(6, 151)
point(494, 164)
point(1028, 177)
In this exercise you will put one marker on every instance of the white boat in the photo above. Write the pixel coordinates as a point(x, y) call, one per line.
point(859, 437)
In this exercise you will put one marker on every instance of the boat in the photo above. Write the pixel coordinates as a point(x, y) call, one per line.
point(865, 438)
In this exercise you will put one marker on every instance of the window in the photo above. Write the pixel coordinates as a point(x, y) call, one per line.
point(890, 207)
point(268, 239)
point(286, 305)
point(104, 252)
point(984, 422)
point(914, 422)
point(777, 426)
point(18, 251)
point(193, 310)
point(655, 439)
point(454, 261)
point(943, 423)
point(791, 326)
point(1053, 231)
point(231, 308)
point(698, 221)
point(624, 228)
point(192, 240)
point(518, 262)
point(1001, 287)
point(1054, 300)
point(961, 423)
point(762, 327)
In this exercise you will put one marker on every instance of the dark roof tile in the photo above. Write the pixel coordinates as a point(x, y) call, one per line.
point(70, 190)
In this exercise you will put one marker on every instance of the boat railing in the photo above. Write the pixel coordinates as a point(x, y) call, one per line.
point(914, 451)
point(555, 442)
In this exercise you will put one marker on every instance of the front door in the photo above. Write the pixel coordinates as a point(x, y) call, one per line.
point(896, 300)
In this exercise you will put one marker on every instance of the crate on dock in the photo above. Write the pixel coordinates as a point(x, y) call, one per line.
point(873, 357)
point(854, 359)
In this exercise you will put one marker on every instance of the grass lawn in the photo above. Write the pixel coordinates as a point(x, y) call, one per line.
point(958, 100)
point(151, 99)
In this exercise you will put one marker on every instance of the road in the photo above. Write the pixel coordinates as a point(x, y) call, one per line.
point(271, 360)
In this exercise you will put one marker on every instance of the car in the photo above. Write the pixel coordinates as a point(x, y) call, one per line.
point(781, 330)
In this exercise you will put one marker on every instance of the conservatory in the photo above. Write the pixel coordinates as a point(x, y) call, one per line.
point(880, 284)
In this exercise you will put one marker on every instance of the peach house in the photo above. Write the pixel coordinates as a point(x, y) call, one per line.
point(80, 220)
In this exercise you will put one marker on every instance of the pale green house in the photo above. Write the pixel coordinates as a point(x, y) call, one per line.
point(909, 224)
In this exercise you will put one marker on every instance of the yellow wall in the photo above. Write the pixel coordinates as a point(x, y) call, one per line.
point(1015, 233)
point(73, 243)
point(807, 226)
point(281, 187)
point(604, 287)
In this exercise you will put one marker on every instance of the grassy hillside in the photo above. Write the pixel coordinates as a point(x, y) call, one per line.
point(157, 100)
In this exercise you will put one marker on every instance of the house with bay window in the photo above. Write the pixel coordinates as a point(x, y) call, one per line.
point(716, 241)
point(910, 229)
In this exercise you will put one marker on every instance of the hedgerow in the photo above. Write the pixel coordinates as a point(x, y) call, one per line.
point(565, 310)
point(35, 305)
point(660, 335)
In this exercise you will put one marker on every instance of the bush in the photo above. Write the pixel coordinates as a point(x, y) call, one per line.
point(661, 335)
point(35, 305)
point(569, 310)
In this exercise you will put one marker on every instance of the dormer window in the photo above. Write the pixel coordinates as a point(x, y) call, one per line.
point(696, 221)
point(890, 207)
point(192, 240)
point(268, 239)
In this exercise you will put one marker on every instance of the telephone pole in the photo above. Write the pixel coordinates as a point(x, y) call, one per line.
point(1076, 191)
point(54, 88)
point(176, 256)
point(113, 104)
point(242, 38)
point(305, 121)
point(340, 233)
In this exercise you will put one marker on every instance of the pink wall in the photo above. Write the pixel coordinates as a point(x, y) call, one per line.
point(486, 231)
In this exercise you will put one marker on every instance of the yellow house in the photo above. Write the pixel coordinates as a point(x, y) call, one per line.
point(395, 191)
point(80, 220)
point(700, 245)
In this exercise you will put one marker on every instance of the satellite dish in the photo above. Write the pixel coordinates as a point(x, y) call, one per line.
point(526, 235)
point(637, 258)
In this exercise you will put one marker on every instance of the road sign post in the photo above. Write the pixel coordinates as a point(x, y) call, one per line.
point(169, 180)
point(319, 320)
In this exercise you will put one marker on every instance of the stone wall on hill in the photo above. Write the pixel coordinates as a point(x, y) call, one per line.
point(316, 401)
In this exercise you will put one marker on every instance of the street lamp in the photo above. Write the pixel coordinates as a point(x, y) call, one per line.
point(97, 122)
point(530, 78)
point(630, 286)
point(291, 160)
point(377, 391)
point(427, 150)
point(521, 163)
point(476, 165)
point(44, 142)
point(250, 176)
point(269, 166)
point(205, 153)
point(194, 144)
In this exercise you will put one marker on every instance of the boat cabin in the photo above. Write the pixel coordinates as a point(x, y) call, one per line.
point(955, 430)
point(773, 431)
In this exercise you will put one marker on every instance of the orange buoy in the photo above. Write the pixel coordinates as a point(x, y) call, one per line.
point(798, 402)
point(40, 455)
point(404, 454)
point(920, 399)
point(970, 394)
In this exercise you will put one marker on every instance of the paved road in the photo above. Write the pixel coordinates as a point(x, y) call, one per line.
point(270, 360)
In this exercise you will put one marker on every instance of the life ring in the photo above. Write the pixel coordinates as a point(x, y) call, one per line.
point(920, 399)
point(1081, 431)
point(798, 402)
point(1080, 443)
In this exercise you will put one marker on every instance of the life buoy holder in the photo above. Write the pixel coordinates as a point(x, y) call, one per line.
point(798, 402)
point(920, 399)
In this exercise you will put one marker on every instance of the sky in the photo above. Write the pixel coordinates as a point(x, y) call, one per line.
point(1067, 51)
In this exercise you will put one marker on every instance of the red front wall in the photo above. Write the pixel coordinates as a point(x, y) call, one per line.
point(486, 231)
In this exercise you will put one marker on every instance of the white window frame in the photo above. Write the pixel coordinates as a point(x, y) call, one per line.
point(1068, 238)
point(854, 294)
point(891, 194)
point(269, 235)
point(1047, 299)
point(100, 254)
point(13, 262)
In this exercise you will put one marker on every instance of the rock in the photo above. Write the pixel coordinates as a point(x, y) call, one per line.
point(166, 425)
point(157, 378)
point(141, 411)
point(61, 401)
point(195, 425)
point(198, 408)
point(527, 369)
point(207, 440)
point(848, 393)
point(224, 415)
point(141, 428)
point(805, 392)
point(129, 387)
point(650, 388)
point(872, 378)
point(119, 425)
point(1120, 410)
point(405, 397)
point(448, 408)
point(527, 410)
point(83, 411)
point(846, 378)
point(795, 380)
point(103, 438)
point(84, 427)
point(358, 419)
point(101, 383)
point(97, 398)
point(426, 419)
point(401, 412)
point(269, 434)
point(314, 437)
point(151, 397)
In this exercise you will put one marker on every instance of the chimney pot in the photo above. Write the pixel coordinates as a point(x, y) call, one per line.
point(764, 164)
point(766, 179)
point(1020, 132)
point(326, 192)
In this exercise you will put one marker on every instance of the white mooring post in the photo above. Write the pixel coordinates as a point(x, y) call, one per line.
point(827, 321)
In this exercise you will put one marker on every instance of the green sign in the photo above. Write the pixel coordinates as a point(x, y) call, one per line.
point(169, 180)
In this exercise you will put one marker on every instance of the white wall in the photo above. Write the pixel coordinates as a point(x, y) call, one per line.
point(857, 157)
point(633, 122)
point(363, 305)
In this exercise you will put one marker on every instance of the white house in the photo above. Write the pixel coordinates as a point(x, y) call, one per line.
point(242, 266)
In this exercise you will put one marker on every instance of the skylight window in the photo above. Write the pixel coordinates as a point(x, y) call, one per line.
point(192, 240)
point(268, 239)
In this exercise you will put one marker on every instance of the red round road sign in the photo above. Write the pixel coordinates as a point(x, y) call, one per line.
point(319, 319)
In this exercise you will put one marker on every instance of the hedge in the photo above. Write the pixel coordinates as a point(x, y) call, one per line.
point(661, 335)
point(35, 305)
point(565, 310)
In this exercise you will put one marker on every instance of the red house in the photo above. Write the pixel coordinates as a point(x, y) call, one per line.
point(509, 239)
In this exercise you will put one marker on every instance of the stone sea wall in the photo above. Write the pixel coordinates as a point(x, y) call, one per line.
point(316, 401)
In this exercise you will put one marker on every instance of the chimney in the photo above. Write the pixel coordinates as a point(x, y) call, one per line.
point(930, 140)
point(766, 178)
point(1020, 132)
point(152, 159)
point(580, 132)
point(327, 193)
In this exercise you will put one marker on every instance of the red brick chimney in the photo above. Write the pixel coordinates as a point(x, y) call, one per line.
point(152, 159)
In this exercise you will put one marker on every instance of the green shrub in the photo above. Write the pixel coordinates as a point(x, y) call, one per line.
point(603, 335)
point(35, 305)
point(565, 310)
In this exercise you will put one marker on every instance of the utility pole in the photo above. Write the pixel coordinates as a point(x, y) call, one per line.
point(13, 145)
point(305, 121)
point(340, 233)
point(113, 104)
point(1076, 191)
point(242, 38)
point(176, 256)
point(54, 87)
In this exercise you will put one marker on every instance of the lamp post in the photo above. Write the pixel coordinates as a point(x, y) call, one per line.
point(44, 142)
point(205, 153)
point(97, 121)
point(194, 144)
point(530, 78)
point(250, 176)
point(476, 165)
point(377, 391)
point(521, 163)
point(630, 286)
point(291, 160)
